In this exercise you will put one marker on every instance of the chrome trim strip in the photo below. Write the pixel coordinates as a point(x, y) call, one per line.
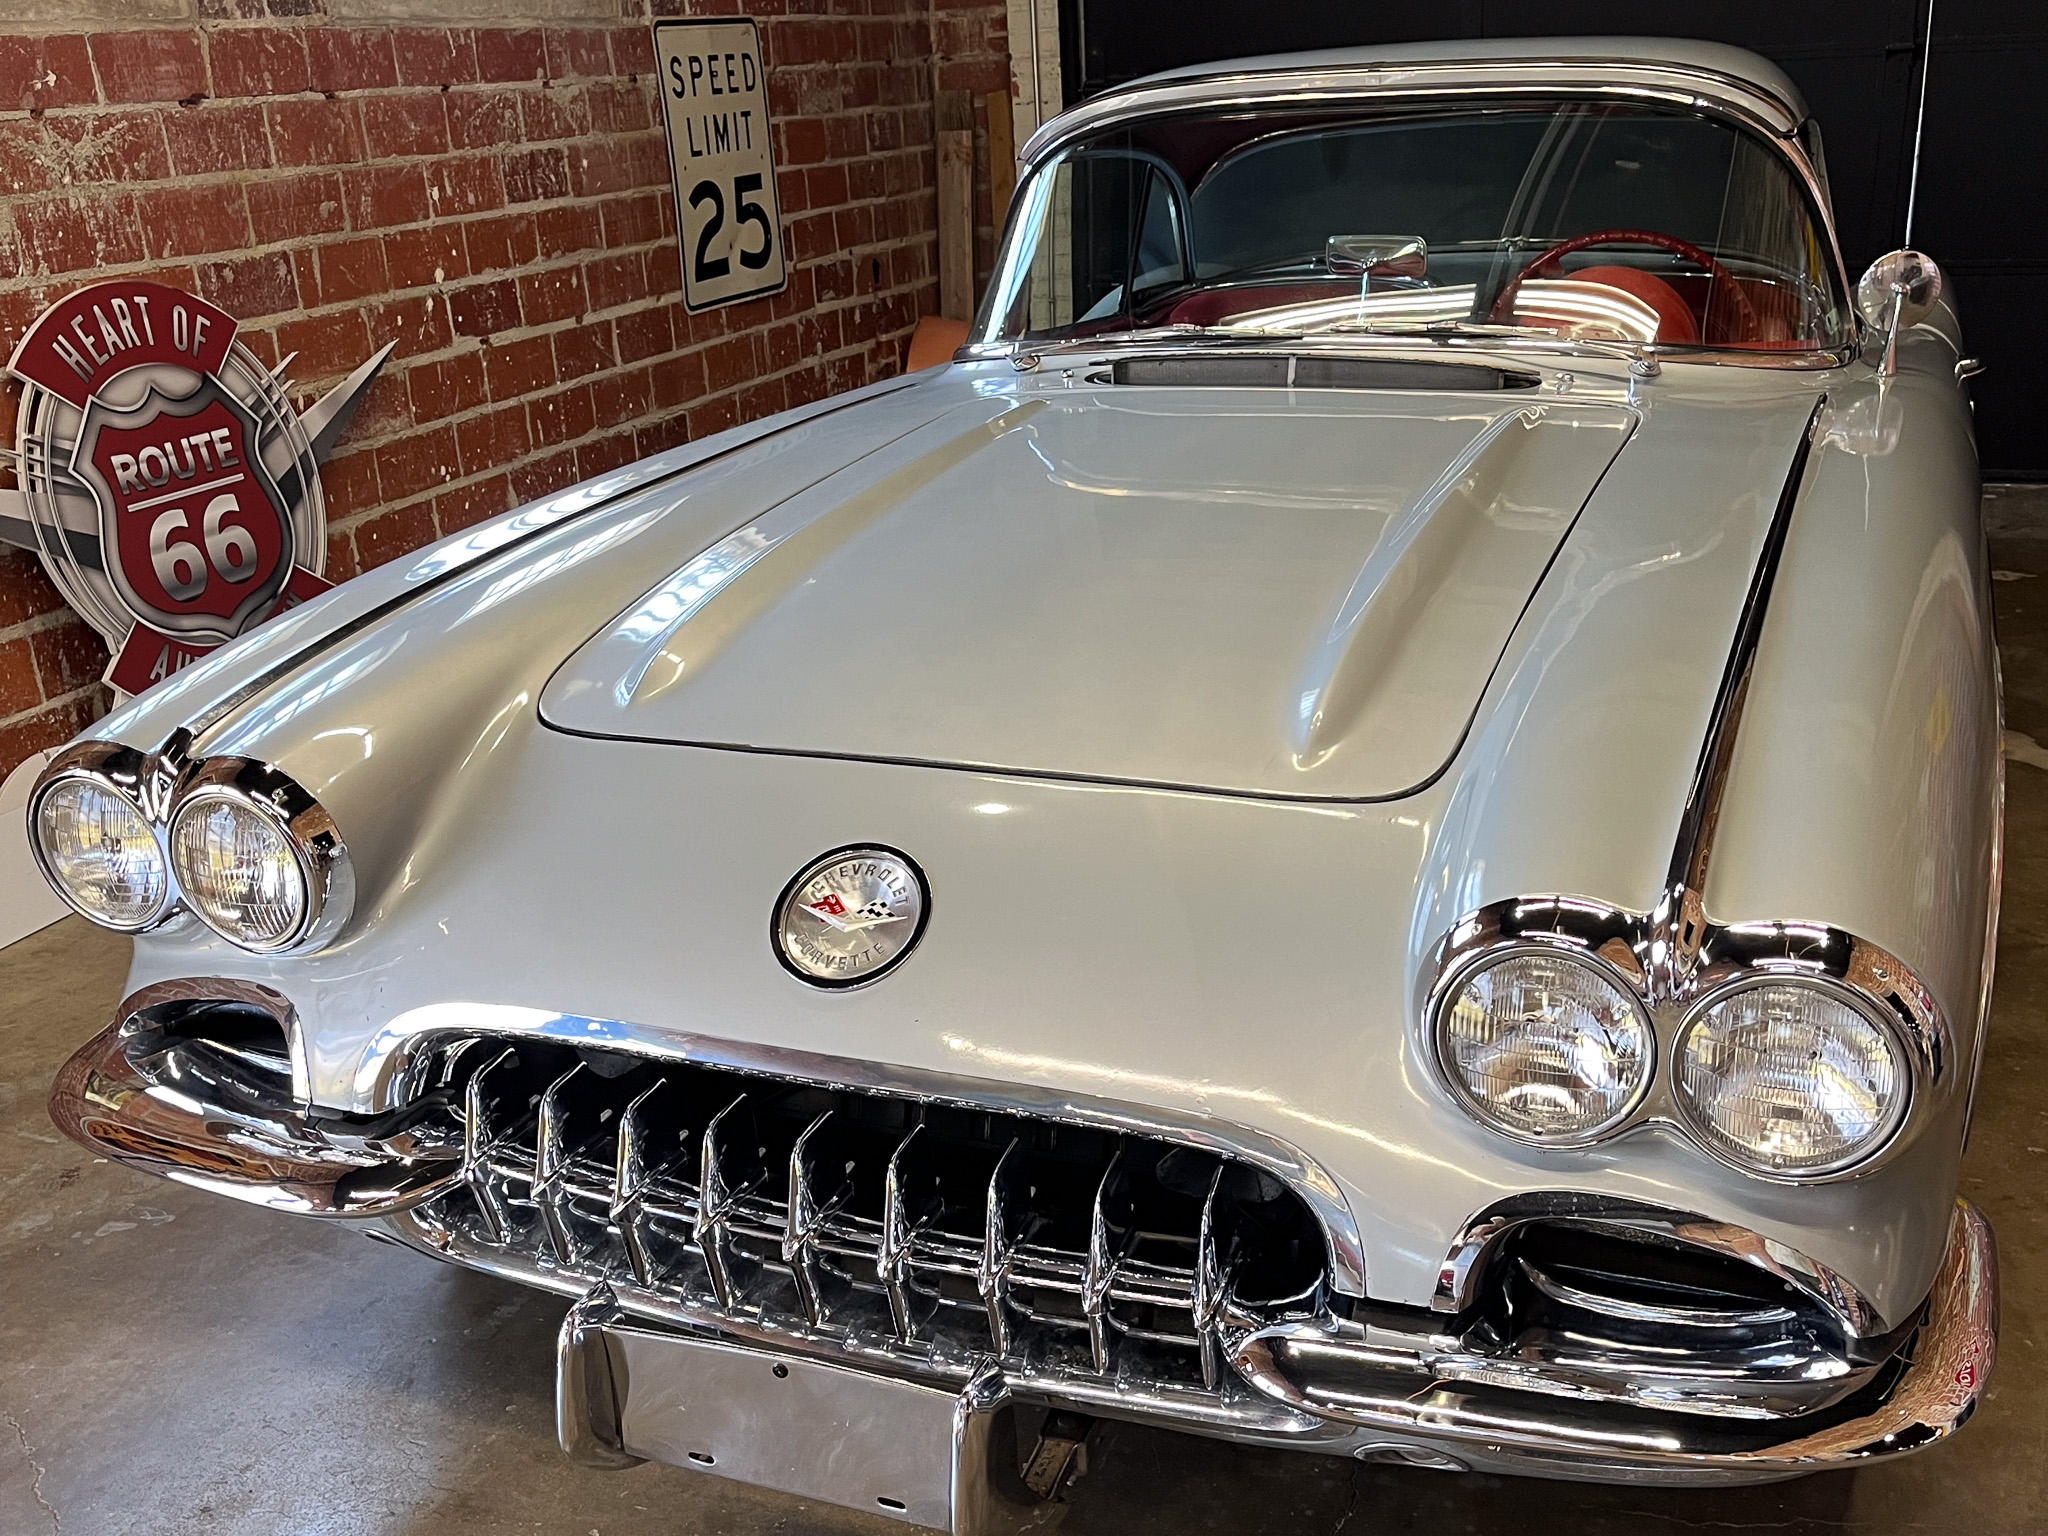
point(1474, 1247)
point(1947, 1368)
point(395, 1064)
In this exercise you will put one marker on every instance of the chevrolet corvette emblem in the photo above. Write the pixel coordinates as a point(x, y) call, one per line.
point(850, 916)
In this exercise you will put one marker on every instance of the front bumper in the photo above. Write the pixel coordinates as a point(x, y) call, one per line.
point(1320, 1375)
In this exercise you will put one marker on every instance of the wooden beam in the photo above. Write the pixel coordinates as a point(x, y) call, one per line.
point(1002, 157)
point(954, 112)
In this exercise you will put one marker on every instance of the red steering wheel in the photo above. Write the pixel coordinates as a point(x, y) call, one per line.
point(1545, 266)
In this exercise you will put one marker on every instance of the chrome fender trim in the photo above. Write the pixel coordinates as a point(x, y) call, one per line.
point(1948, 1365)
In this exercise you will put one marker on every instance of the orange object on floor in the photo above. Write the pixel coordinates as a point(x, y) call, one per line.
point(935, 342)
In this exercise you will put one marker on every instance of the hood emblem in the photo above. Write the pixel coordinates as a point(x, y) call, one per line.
point(849, 916)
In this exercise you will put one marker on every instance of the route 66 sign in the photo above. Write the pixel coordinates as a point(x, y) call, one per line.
point(166, 480)
point(714, 96)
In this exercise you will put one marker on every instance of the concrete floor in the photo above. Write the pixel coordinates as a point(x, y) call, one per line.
point(173, 1363)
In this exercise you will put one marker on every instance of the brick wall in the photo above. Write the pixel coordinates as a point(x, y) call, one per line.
point(495, 199)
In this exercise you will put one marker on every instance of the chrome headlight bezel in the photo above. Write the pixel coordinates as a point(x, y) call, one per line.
point(128, 775)
point(1444, 997)
point(1905, 1065)
point(309, 833)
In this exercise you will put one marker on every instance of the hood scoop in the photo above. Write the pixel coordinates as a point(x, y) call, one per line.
point(1234, 590)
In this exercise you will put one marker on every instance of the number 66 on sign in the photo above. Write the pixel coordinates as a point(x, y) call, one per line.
point(715, 101)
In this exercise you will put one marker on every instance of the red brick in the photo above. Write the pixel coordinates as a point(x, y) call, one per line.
point(410, 465)
point(258, 61)
point(563, 230)
point(315, 132)
point(82, 151)
point(430, 254)
point(561, 417)
point(348, 484)
point(447, 385)
point(644, 333)
point(467, 505)
point(341, 553)
point(555, 112)
point(328, 345)
point(48, 728)
point(660, 436)
point(543, 477)
point(632, 220)
point(209, 139)
point(386, 410)
point(37, 72)
point(583, 349)
point(510, 55)
point(513, 369)
point(385, 196)
point(617, 106)
point(495, 440)
point(579, 51)
point(604, 167)
point(606, 454)
point(536, 174)
point(68, 657)
point(482, 119)
point(415, 324)
point(434, 56)
point(349, 59)
point(464, 184)
point(611, 281)
point(148, 65)
point(730, 363)
point(352, 269)
point(621, 396)
point(556, 294)
point(69, 234)
point(188, 221)
point(19, 687)
point(404, 125)
point(250, 286)
point(391, 534)
point(495, 244)
point(632, 51)
point(287, 207)
point(483, 308)
point(678, 380)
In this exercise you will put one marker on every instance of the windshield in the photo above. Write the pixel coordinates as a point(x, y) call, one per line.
point(1576, 221)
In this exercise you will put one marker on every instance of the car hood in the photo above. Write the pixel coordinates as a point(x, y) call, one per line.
point(1270, 593)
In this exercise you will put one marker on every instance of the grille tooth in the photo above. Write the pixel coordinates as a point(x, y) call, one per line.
point(728, 1173)
point(640, 1158)
point(1111, 1231)
point(480, 1141)
point(1000, 1237)
point(935, 1228)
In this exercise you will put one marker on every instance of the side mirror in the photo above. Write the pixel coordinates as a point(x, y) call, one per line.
point(1899, 289)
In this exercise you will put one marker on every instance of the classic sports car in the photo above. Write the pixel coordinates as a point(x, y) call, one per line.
point(1371, 826)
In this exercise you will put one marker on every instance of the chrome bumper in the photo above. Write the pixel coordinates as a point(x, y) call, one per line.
point(216, 1123)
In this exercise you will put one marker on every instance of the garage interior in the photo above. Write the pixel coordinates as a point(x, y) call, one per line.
point(174, 1363)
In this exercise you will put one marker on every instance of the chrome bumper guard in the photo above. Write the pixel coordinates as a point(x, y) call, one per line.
point(226, 1121)
point(929, 1457)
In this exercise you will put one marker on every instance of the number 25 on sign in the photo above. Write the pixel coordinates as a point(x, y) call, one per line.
point(714, 97)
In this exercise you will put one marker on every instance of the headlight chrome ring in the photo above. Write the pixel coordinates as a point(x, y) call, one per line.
point(1799, 1058)
point(120, 778)
point(243, 837)
point(1579, 1051)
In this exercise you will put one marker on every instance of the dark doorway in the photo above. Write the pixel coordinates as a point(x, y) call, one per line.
point(1982, 208)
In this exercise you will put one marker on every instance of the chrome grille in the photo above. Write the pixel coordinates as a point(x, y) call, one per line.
point(862, 1214)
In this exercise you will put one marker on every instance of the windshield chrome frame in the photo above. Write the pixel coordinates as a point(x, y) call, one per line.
point(1744, 104)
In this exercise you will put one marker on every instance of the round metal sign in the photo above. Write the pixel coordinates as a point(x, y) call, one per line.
point(850, 916)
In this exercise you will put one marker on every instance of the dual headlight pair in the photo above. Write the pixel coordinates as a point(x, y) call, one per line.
point(243, 847)
point(1789, 1076)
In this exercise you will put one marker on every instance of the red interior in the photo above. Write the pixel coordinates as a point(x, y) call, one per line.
point(1679, 298)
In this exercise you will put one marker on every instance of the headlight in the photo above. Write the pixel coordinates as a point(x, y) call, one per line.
point(1544, 1047)
point(100, 853)
point(257, 858)
point(1791, 1078)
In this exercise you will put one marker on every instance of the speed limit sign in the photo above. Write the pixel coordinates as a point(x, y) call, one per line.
point(714, 95)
